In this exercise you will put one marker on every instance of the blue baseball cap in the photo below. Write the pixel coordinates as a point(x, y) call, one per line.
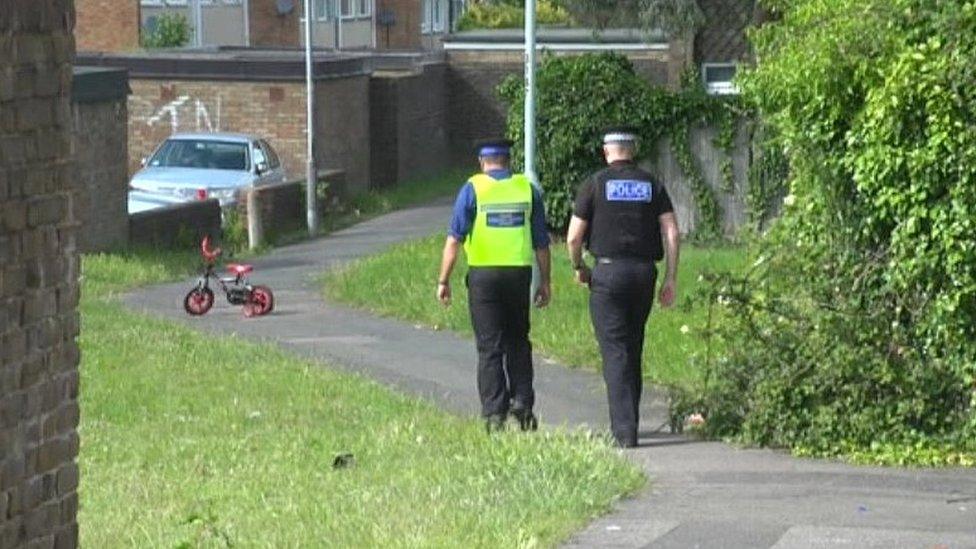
point(494, 147)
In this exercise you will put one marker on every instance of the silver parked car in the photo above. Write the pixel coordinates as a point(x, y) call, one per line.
point(199, 166)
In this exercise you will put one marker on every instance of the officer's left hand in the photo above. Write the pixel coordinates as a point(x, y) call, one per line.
point(542, 295)
point(666, 295)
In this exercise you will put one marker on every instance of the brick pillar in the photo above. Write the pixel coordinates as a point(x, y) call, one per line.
point(38, 278)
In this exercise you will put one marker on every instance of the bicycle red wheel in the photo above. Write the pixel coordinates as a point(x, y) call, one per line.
point(260, 303)
point(198, 301)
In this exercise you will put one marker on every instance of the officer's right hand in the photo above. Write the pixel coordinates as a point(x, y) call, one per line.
point(444, 294)
point(583, 276)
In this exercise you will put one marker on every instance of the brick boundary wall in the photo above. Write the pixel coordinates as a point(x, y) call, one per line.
point(408, 125)
point(39, 268)
point(282, 206)
point(176, 225)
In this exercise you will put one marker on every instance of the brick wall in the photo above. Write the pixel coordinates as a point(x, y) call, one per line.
point(101, 156)
point(342, 129)
point(176, 225)
point(160, 108)
point(107, 25)
point(408, 125)
point(273, 110)
point(269, 28)
point(39, 320)
point(404, 34)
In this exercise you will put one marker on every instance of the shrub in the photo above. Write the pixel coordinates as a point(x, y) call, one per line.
point(172, 31)
point(510, 15)
point(855, 333)
point(577, 97)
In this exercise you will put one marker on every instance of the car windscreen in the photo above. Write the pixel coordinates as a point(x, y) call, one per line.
point(206, 154)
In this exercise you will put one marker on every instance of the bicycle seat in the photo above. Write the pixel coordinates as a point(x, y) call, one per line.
point(239, 269)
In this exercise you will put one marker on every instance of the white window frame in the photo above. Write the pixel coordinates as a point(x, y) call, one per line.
point(719, 87)
point(438, 22)
point(364, 8)
point(317, 10)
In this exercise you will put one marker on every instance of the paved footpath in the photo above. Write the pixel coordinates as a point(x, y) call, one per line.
point(702, 494)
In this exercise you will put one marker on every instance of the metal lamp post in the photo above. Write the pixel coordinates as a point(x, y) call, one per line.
point(310, 175)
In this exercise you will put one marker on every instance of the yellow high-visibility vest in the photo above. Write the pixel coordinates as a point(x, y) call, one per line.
point(502, 232)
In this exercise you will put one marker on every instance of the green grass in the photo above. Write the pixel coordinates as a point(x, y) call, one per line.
point(189, 440)
point(400, 283)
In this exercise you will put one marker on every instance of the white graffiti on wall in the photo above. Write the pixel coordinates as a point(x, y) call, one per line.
point(172, 111)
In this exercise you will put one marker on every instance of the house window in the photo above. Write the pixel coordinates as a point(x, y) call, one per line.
point(718, 78)
point(364, 8)
point(433, 15)
point(323, 9)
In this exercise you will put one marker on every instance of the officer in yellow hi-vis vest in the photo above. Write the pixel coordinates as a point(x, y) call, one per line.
point(500, 220)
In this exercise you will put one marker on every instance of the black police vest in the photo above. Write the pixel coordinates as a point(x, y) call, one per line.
point(625, 220)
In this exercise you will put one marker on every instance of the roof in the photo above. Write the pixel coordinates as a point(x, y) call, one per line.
point(94, 85)
point(231, 64)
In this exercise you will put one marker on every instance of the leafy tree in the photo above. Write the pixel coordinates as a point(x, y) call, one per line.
point(855, 333)
point(675, 17)
point(578, 96)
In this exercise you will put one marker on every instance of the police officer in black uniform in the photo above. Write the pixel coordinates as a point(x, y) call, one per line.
point(622, 214)
point(500, 221)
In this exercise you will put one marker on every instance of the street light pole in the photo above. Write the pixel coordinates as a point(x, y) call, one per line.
point(310, 175)
point(529, 115)
point(529, 111)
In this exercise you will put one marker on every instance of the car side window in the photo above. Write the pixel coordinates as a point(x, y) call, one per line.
point(259, 156)
point(273, 161)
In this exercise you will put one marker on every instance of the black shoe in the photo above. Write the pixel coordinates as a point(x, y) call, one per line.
point(625, 442)
point(495, 424)
point(526, 419)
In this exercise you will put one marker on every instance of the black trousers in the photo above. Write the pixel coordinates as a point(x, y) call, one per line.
point(621, 294)
point(498, 298)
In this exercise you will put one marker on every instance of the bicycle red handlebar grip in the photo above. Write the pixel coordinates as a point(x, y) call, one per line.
point(208, 253)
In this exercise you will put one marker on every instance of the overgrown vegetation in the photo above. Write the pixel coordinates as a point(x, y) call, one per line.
point(855, 331)
point(172, 30)
point(674, 17)
point(579, 96)
point(191, 440)
point(510, 14)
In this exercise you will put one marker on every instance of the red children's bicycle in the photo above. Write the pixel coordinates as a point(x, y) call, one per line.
point(257, 300)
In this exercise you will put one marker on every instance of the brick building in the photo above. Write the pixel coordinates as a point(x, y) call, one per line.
point(39, 265)
point(115, 25)
point(107, 25)
point(260, 93)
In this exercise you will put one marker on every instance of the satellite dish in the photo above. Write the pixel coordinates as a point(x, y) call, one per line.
point(285, 6)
